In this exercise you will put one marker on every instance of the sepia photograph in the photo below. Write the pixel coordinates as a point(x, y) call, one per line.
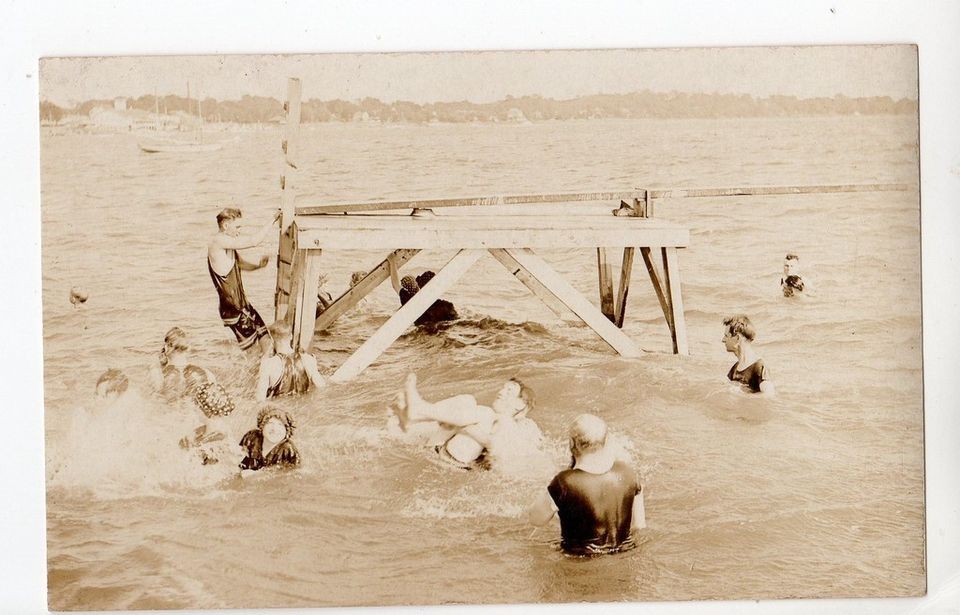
point(486, 327)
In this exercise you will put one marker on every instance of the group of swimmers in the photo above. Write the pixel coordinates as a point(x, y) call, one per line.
point(598, 499)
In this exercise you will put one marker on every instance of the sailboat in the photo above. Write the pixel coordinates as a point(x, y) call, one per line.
point(171, 146)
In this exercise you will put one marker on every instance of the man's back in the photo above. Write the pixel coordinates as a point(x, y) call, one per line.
point(595, 509)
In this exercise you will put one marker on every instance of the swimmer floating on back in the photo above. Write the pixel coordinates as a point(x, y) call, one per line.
point(738, 335)
point(472, 435)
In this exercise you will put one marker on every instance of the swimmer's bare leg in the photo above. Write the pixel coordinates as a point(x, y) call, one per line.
point(459, 411)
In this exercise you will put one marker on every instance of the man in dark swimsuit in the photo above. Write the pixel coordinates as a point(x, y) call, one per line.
point(598, 499)
point(225, 265)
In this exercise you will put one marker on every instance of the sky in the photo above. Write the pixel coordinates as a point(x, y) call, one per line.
point(805, 72)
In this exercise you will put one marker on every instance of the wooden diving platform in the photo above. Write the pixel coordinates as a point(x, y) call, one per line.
point(511, 239)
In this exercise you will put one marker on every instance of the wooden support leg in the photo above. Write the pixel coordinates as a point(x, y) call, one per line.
point(678, 326)
point(285, 253)
point(658, 286)
point(406, 315)
point(306, 301)
point(364, 287)
point(585, 310)
point(626, 270)
point(605, 272)
point(533, 284)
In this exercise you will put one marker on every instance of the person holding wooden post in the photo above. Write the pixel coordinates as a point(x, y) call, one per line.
point(225, 265)
point(598, 499)
point(286, 372)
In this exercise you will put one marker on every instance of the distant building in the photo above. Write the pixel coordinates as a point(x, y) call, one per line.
point(119, 104)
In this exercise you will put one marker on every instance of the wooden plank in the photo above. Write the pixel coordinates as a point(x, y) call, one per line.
point(626, 270)
point(478, 201)
point(306, 301)
point(657, 285)
point(364, 287)
point(678, 326)
point(605, 281)
point(406, 315)
point(678, 193)
point(533, 284)
point(585, 310)
point(453, 232)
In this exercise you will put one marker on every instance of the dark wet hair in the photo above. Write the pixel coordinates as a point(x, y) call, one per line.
point(526, 394)
point(356, 277)
point(115, 380)
point(740, 324)
point(228, 213)
point(270, 411)
point(177, 338)
point(792, 257)
point(425, 277)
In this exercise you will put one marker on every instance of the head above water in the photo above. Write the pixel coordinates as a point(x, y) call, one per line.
point(514, 398)
point(174, 341)
point(270, 413)
point(739, 325)
point(356, 277)
point(791, 264)
point(588, 434)
point(282, 338)
point(228, 217)
point(111, 383)
point(409, 283)
point(194, 377)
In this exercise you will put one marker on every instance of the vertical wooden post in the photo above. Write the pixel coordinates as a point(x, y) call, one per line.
point(305, 313)
point(606, 284)
point(671, 275)
point(626, 270)
point(288, 185)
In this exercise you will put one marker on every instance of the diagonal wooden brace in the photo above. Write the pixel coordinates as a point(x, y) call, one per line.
point(580, 306)
point(403, 318)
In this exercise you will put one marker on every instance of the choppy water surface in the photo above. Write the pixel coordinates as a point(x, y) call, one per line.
point(816, 493)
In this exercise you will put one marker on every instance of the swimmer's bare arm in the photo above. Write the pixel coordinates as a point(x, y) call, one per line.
point(310, 366)
point(248, 266)
point(241, 242)
point(543, 509)
point(767, 388)
point(268, 375)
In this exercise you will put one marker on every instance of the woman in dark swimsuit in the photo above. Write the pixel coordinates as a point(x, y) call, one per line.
point(749, 369)
point(274, 430)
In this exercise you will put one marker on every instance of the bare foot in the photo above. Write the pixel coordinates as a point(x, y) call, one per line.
point(412, 398)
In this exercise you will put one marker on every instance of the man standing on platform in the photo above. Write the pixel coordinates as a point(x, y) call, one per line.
point(225, 264)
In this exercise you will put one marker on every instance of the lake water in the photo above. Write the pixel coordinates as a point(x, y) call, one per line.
point(818, 492)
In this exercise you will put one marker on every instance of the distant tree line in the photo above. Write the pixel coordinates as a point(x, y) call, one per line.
point(254, 109)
